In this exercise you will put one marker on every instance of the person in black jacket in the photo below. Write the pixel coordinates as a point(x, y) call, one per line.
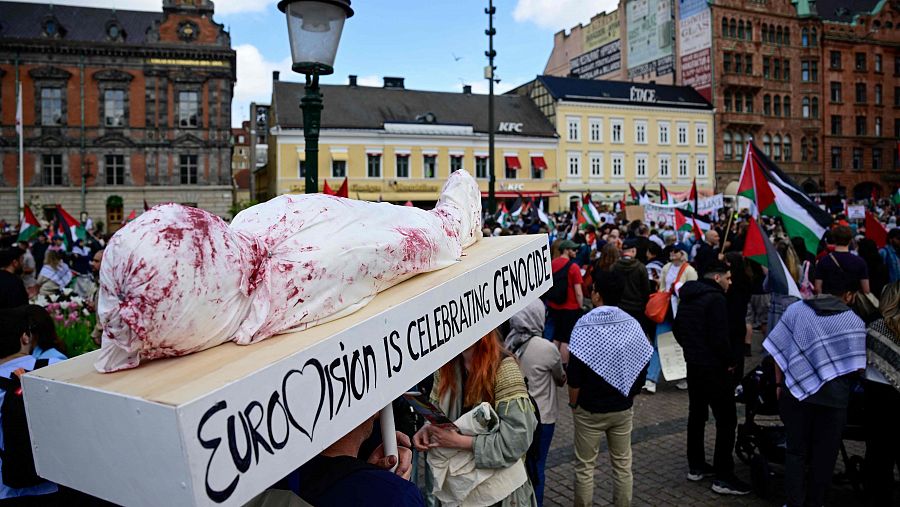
point(636, 291)
point(12, 289)
point(701, 328)
point(706, 251)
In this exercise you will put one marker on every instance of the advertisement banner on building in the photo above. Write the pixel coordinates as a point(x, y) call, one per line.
point(696, 71)
point(603, 29)
point(598, 62)
point(695, 32)
point(651, 37)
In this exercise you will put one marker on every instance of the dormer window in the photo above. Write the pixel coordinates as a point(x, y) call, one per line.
point(114, 31)
point(188, 31)
point(52, 28)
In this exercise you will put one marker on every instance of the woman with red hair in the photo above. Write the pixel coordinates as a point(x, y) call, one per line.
point(485, 372)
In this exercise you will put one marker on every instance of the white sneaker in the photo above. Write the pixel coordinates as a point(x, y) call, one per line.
point(682, 385)
point(650, 386)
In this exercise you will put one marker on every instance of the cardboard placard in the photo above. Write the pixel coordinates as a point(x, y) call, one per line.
point(671, 355)
point(219, 426)
point(634, 212)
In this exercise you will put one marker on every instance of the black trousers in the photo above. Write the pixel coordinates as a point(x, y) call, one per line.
point(710, 387)
point(882, 442)
point(813, 440)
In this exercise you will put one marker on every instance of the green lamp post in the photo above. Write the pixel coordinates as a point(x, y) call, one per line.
point(314, 30)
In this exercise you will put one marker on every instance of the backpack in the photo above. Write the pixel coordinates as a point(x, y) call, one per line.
point(559, 293)
point(18, 463)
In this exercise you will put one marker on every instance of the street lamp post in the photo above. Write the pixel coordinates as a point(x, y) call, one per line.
point(314, 29)
point(489, 74)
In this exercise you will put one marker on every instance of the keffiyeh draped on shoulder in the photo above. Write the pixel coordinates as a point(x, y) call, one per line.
point(883, 352)
point(61, 276)
point(613, 345)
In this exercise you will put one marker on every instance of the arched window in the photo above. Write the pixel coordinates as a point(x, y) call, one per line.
point(738, 102)
point(805, 107)
point(772, 34)
point(739, 146)
point(804, 37)
point(787, 37)
point(815, 107)
point(777, 69)
point(814, 38)
point(726, 145)
point(767, 145)
point(776, 106)
point(804, 149)
point(767, 105)
point(724, 27)
point(777, 147)
point(728, 102)
point(787, 148)
point(787, 106)
point(778, 36)
point(740, 32)
point(749, 31)
point(765, 32)
point(814, 149)
point(732, 28)
point(748, 103)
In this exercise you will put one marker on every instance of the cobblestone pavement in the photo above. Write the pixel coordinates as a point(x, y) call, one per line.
point(659, 460)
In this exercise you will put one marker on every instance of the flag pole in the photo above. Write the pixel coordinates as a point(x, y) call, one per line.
point(727, 230)
point(21, 128)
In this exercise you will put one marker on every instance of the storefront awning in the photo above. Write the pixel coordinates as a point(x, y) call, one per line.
point(512, 163)
point(539, 163)
point(523, 193)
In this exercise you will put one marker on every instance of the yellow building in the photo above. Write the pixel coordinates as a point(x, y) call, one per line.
point(613, 133)
point(400, 145)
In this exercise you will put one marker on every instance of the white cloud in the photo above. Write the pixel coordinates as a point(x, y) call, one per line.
point(373, 80)
point(560, 14)
point(481, 87)
point(254, 80)
point(222, 6)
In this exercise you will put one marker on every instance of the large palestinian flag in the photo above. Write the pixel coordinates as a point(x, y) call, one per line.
point(775, 194)
point(70, 229)
point(759, 249)
point(687, 221)
point(29, 227)
point(591, 215)
point(663, 194)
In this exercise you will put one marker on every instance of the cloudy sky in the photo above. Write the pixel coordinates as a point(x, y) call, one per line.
point(434, 44)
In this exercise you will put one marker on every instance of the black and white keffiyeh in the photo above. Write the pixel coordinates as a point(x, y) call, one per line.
point(613, 345)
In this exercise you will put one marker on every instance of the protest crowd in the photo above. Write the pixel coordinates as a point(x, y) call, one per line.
point(626, 294)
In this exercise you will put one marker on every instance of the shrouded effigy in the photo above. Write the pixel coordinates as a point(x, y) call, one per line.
point(179, 280)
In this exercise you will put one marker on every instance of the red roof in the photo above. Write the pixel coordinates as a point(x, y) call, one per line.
point(242, 179)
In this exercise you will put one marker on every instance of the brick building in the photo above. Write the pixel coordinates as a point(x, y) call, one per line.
point(240, 162)
point(119, 107)
point(861, 78)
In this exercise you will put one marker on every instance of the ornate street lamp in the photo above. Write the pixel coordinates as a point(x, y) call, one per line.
point(314, 29)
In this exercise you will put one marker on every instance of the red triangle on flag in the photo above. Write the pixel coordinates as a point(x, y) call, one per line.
point(754, 245)
point(680, 221)
point(327, 190)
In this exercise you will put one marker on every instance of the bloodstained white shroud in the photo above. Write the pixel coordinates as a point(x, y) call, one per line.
point(179, 280)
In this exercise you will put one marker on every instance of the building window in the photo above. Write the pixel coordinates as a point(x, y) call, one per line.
point(814, 149)
point(732, 28)
point(748, 64)
point(776, 105)
point(814, 38)
point(701, 167)
point(777, 69)
point(767, 105)
point(739, 145)
point(187, 166)
point(114, 108)
point(188, 109)
point(748, 103)
point(51, 106)
point(617, 129)
point(877, 159)
point(596, 129)
point(879, 95)
point(52, 169)
point(857, 159)
point(456, 163)
point(682, 134)
point(878, 126)
point(574, 128)
point(301, 169)
point(804, 149)
point(640, 132)
point(663, 132)
point(338, 168)
point(373, 165)
point(429, 166)
point(664, 170)
point(115, 169)
point(835, 91)
point(682, 167)
point(726, 62)
point(835, 59)
point(787, 106)
point(402, 161)
point(738, 64)
point(815, 107)
point(618, 164)
point(860, 93)
point(788, 154)
point(727, 100)
point(640, 166)
point(574, 165)
point(860, 125)
point(725, 27)
point(740, 32)
point(481, 167)
point(767, 145)
point(726, 147)
point(536, 172)
point(776, 147)
point(836, 161)
point(878, 64)
point(836, 127)
point(738, 103)
point(596, 160)
point(809, 71)
point(860, 61)
point(764, 32)
point(804, 37)
point(700, 133)
point(766, 66)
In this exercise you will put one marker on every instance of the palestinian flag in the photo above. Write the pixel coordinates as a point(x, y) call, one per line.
point(70, 229)
point(687, 221)
point(644, 198)
point(635, 196)
point(504, 218)
point(344, 191)
point(775, 194)
point(694, 198)
point(521, 208)
point(591, 215)
point(327, 190)
point(875, 231)
point(545, 218)
point(663, 194)
point(131, 216)
point(753, 186)
point(759, 249)
point(29, 227)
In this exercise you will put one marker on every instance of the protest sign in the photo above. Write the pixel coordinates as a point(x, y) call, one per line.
point(665, 213)
point(671, 355)
point(856, 212)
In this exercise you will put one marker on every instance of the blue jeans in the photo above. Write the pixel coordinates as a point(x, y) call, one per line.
point(546, 437)
point(655, 367)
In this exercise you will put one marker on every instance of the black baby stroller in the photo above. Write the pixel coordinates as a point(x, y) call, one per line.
point(761, 438)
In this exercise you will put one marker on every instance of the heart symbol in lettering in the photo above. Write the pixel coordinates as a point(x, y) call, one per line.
point(304, 389)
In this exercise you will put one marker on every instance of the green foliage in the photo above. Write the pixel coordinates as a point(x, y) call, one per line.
point(77, 337)
point(114, 201)
point(241, 206)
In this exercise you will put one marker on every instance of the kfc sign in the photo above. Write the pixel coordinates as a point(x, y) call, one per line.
point(506, 126)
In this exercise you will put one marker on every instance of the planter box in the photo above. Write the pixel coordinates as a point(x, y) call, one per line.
point(222, 425)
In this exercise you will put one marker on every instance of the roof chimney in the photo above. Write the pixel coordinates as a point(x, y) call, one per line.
point(394, 82)
point(275, 75)
point(352, 80)
point(467, 89)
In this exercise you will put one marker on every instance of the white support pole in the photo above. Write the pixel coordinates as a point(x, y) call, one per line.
point(389, 434)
